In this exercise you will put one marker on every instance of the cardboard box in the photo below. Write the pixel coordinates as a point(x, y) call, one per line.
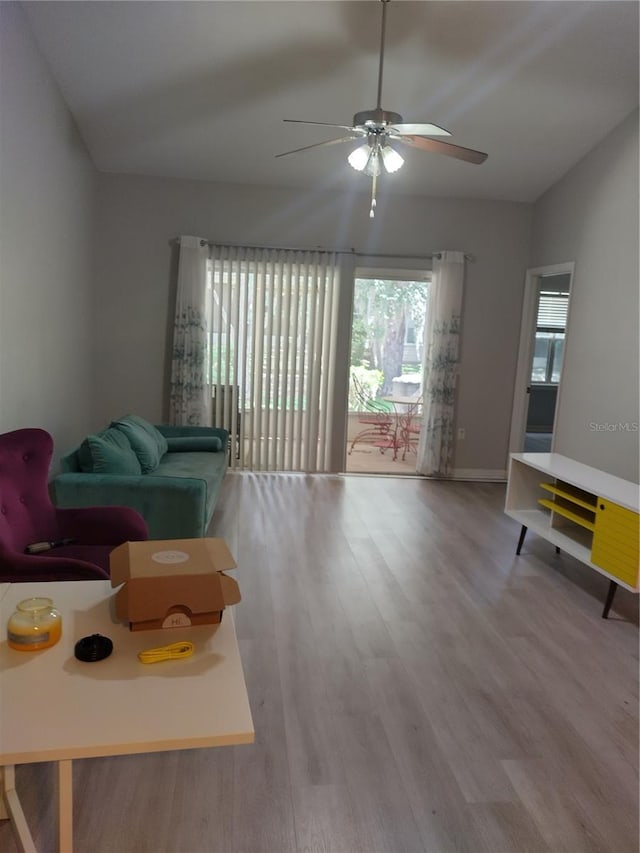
point(172, 583)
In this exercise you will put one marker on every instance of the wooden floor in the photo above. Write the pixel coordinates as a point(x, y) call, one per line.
point(414, 687)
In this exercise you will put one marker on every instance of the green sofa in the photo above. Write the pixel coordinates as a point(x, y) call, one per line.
point(171, 474)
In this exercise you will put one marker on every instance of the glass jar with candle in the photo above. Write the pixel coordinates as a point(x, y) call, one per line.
point(35, 624)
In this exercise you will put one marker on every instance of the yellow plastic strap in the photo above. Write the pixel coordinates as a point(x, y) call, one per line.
point(175, 651)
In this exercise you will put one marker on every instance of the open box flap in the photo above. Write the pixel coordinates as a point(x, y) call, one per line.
point(160, 558)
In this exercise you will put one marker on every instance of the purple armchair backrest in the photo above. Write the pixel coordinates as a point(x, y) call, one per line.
point(26, 512)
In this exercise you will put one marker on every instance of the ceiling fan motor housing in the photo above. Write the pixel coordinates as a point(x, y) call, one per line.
point(377, 118)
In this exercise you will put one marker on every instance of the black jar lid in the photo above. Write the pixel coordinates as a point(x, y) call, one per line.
point(93, 648)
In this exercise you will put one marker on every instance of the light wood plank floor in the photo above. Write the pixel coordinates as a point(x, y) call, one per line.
point(414, 686)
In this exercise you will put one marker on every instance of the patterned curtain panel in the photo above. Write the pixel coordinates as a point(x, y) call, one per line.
point(190, 391)
point(442, 339)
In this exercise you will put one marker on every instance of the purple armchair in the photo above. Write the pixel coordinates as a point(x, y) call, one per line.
point(28, 516)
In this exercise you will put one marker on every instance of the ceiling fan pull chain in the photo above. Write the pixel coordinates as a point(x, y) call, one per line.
point(382, 35)
point(374, 184)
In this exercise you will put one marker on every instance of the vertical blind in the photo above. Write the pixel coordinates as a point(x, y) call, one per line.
point(273, 321)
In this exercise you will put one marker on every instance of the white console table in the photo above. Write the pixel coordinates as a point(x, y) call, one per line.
point(585, 512)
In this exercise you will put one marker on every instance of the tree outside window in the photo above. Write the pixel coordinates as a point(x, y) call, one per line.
point(387, 331)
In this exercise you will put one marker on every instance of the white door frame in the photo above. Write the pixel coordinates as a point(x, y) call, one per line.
point(525, 352)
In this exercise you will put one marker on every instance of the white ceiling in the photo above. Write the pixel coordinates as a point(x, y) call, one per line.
point(199, 89)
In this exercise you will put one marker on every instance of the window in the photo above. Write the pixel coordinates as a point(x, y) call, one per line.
point(548, 352)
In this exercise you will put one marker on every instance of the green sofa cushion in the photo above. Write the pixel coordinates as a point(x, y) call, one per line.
point(108, 452)
point(147, 442)
point(200, 465)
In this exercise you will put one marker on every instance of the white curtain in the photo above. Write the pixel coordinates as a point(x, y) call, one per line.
point(274, 329)
point(190, 391)
point(440, 369)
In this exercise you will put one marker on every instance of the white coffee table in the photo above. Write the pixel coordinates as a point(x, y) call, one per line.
point(53, 707)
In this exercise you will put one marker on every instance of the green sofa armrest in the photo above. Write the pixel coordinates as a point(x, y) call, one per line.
point(194, 444)
point(173, 507)
point(190, 438)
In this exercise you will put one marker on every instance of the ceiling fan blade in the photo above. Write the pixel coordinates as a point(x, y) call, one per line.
point(420, 129)
point(438, 147)
point(318, 145)
point(323, 123)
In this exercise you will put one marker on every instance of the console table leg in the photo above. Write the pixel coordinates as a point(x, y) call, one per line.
point(523, 533)
point(613, 586)
point(65, 806)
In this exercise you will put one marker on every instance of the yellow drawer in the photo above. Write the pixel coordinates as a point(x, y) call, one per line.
point(625, 538)
point(610, 514)
point(616, 564)
point(616, 541)
point(619, 538)
point(606, 554)
point(628, 576)
point(613, 560)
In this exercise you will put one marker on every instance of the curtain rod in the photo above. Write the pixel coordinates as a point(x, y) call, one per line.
point(426, 257)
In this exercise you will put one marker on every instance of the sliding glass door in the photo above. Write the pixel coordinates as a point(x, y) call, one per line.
point(387, 355)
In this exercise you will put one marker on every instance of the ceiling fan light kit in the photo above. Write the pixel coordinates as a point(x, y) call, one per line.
point(359, 157)
point(391, 159)
point(366, 158)
point(376, 127)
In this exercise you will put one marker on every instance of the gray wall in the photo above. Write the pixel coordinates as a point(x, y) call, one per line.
point(46, 229)
point(135, 271)
point(84, 327)
point(591, 217)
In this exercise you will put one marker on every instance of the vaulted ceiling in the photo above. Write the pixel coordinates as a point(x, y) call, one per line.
point(199, 90)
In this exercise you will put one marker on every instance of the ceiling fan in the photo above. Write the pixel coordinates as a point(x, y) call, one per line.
point(378, 128)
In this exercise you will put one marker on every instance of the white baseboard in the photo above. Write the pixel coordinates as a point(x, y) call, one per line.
point(487, 475)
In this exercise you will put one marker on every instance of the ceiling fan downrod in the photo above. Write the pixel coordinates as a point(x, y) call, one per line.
point(378, 119)
point(379, 115)
point(383, 30)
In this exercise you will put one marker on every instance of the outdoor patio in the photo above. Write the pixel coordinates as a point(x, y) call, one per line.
point(367, 458)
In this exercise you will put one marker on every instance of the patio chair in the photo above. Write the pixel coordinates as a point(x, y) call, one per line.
point(378, 420)
point(409, 428)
